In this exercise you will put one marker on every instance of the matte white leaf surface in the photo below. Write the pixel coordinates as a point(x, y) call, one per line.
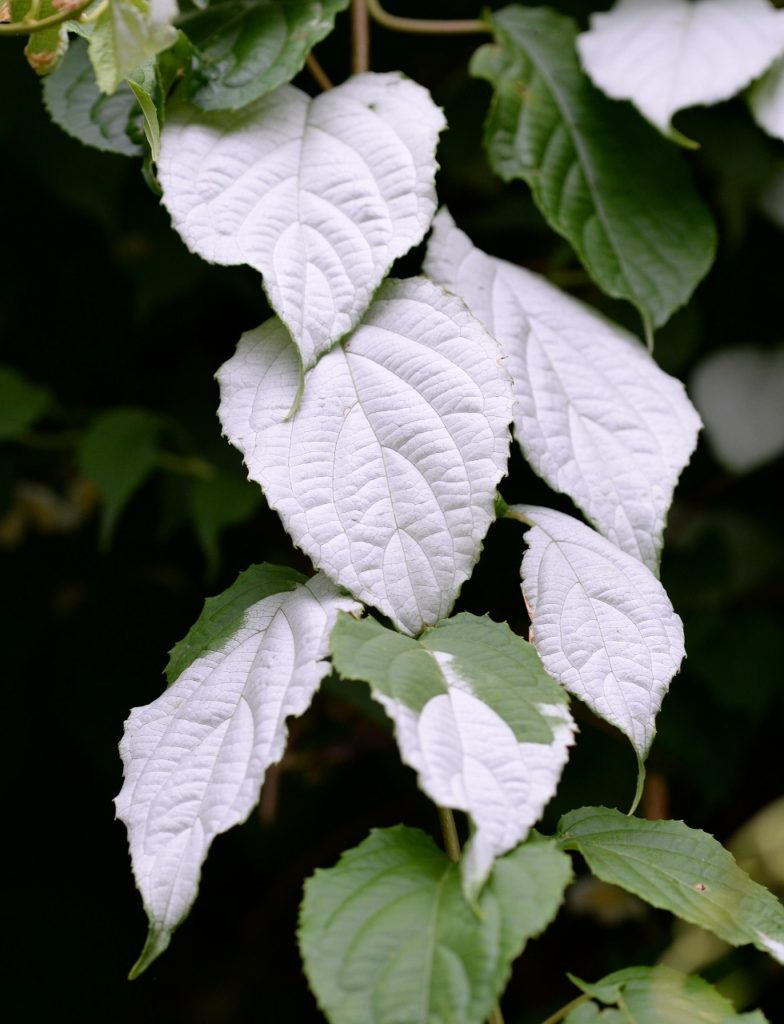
point(767, 100)
point(386, 474)
point(666, 55)
point(320, 195)
point(601, 622)
point(196, 757)
point(594, 414)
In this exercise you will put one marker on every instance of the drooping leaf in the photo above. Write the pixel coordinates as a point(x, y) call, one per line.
point(126, 34)
point(76, 104)
point(386, 473)
point(221, 501)
point(46, 48)
point(249, 48)
point(601, 622)
point(150, 84)
point(602, 178)
point(386, 935)
point(21, 403)
point(680, 869)
point(767, 100)
point(196, 757)
point(476, 715)
point(666, 55)
point(740, 393)
point(320, 195)
point(594, 414)
point(117, 453)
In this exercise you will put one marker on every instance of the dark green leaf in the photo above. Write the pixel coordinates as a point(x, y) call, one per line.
point(221, 501)
point(603, 178)
point(21, 403)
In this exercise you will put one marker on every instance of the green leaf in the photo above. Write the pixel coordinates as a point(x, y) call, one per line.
point(680, 869)
point(45, 49)
point(248, 48)
point(145, 86)
point(386, 935)
point(21, 403)
point(653, 995)
point(602, 177)
point(221, 501)
point(222, 616)
point(117, 453)
point(126, 34)
point(76, 104)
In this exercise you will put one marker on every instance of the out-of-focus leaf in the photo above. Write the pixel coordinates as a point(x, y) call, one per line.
point(216, 503)
point(21, 402)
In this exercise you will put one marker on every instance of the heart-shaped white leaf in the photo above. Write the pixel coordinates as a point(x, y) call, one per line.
point(594, 414)
point(476, 715)
point(666, 55)
point(767, 100)
point(386, 473)
point(600, 620)
point(320, 195)
point(196, 757)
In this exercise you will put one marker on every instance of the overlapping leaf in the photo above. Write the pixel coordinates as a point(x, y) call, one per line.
point(387, 936)
point(248, 48)
point(196, 757)
point(478, 718)
point(594, 414)
point(602, 178)
point(665, 55)
point(320, 195)
point(601, 622)
point(386, 472)
point(680, 869)
point(767, 100)
point(126, 34)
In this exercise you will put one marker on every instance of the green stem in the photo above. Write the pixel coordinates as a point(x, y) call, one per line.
point(449, 832)
point(566, 1010)
point(425, 26)
point(360, 37)
point(186, 465)
point(319, 74)
point(26, 28)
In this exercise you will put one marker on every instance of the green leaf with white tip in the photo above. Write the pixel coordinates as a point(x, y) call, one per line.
point(387, 936)
point(77, 105)
point(603, 179)
point(21, 403)
point(384, 463)
point(196, 757)
point(600, 620)
point(476, 715)
point(594, 414)
point(767, 100)
point(126, 34)
point(666, 55)
point(680, 869)
point(319, 195)
point(249, 48)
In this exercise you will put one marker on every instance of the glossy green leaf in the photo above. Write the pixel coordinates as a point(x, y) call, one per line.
point(248, 48)
point(117, 453)
point(21, 403)
point(605, 180)
point(77, 105)
point(126, 34)
point(680, 869)
point(221, 501)
point(222, 615)
point(386, 935)
point(654, 995)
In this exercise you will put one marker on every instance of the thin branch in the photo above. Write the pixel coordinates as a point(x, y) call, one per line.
point(425, 26)
point(319, 74)
point(360, 37)
point(27, 27)
point(566, 1010)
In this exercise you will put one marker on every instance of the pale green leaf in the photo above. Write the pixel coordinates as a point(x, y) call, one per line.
point(654, 995)
point(126, 34)
point(248, 48)
point(386, 935)
point(77, 105)
point(45, 49)
point(117, 453)
point(21, 403)
point(680, 869)
point(603, 179)
point(144, 85)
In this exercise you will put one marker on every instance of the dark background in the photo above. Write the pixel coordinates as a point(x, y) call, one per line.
point(101, 303)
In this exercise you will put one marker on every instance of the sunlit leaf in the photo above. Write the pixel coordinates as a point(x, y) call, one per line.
point(126, 34)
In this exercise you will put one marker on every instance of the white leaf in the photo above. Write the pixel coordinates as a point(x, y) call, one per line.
point(386, 474)
point(601, 622)
point(320, 195)
point(767, 100)
point(666, 55)
point(740, 393)
point(594, 414)
point(196, 757)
